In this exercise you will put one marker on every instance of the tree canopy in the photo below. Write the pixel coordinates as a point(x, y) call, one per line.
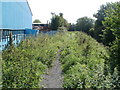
point(84, 24)
point(112, 24)
point(36, 21)
point(99, 27)
point(112, 19)
point(58, 21)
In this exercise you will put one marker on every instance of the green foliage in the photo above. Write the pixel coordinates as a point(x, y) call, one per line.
point(36, 21)
point(23, 66)
point(112, 24)
point(108, 27)
point(99, 34)
point(98, 23)
point(83, 62)
point(112, 19)
point(84, 24)
point(58, 21)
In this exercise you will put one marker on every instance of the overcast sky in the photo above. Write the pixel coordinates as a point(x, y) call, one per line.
point(72, 9)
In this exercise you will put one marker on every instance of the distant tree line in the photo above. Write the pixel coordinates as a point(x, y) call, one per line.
point(106, 26)
point(84, 24)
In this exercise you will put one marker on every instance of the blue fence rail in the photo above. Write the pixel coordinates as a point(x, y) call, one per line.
point(49, 32)
point(17, 36)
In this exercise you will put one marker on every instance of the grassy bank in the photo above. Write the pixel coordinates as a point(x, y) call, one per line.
point(83, 61)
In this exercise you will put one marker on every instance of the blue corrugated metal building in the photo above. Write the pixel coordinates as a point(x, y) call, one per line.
point(15, 17)
point(15, 14)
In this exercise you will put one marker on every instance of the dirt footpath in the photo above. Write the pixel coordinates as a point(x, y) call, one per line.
point(54, 77)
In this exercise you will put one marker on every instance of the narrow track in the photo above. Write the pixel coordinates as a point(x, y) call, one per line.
point(54, 77)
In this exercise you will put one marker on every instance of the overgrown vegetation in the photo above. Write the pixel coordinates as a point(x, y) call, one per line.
point(23, 65)
point(85, 62)
point(106, 30)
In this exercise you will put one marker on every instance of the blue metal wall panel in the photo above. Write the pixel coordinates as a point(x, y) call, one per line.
point(16, 15)
point(15, 18)
point(0, 15)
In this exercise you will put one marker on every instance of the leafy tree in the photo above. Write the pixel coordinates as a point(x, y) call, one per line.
point(58, 21)
point(112, 24)
point(98, 23)
point(36, 21)
point(84, 24)
point(112, 21)
point(99, 27)
point(55, 22)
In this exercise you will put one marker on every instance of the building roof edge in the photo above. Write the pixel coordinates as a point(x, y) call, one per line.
point(29, 7)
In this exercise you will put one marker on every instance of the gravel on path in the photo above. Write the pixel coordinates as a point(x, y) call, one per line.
point(54, 77)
